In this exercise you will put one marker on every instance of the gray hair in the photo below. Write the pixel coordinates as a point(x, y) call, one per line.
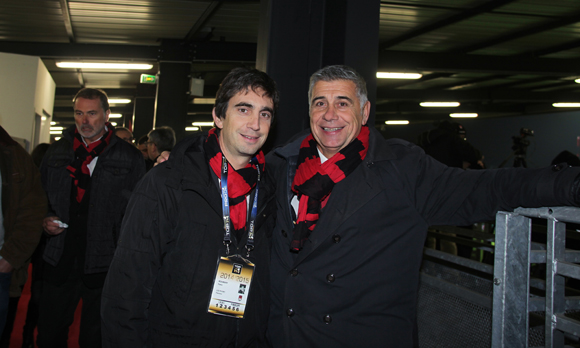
point(340, 72)
point(163, 138)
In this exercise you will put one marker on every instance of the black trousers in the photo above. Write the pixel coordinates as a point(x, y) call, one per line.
point(56, 313)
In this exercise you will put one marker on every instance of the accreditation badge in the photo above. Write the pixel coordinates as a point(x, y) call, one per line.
point(231, 286)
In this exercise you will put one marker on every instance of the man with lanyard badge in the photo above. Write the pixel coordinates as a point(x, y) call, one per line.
point(192, 263)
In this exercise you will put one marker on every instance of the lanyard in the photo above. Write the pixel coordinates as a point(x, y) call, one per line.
point(226, 208)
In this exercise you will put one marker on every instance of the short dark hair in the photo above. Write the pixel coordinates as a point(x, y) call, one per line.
point(118, 129)
point(93, 93)
point(340, 72)
point(240, 79)
point(163, 138)
point(143, 139)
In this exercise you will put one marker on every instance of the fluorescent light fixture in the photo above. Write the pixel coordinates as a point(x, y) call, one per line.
point(191, 129)
point(56, 128)
point(43, 118)
point(119, 101)
point(210, 101)
point(463, 115)
point(122, 66)
point(439, 104)
point(114, 124)
point(115, 115)
point(56, 138)
point(52, 123)
point(396, 122)
point(202, 124)
point(394, 75)
point(55, 132)
point(566, 105)
point(577, 80)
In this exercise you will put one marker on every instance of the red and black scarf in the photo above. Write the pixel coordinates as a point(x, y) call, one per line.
point(84, 154)
point(314, 181)
point(240, 182)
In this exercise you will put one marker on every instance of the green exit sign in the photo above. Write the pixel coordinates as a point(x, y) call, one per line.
point(148, 79)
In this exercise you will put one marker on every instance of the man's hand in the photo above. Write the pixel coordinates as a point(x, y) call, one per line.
point(163, 157)
point(5, 267)
point(52, 227)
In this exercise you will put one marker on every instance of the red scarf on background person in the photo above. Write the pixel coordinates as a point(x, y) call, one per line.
point(240, 182)
point(84, 154)
point(314, 181)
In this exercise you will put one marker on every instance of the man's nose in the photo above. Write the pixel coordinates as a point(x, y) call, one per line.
point(330, 114)
point(254, 122)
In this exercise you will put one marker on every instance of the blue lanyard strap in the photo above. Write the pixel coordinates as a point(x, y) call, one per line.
point(226, 208)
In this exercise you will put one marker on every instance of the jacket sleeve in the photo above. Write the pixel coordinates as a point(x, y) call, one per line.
point(27, 209)
point(459, 197)
point(133, 271)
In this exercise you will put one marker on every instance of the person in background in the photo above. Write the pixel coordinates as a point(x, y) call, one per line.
point(36, 276)
point(211, 201)
point(88, 176)
point(125, 134)
point(142, 146)
point(160, 139)
point(447, 144)
point(23, 206)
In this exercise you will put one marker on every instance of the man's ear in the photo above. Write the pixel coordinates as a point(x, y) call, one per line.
point(107, 113)
point(218, 121)
point(366, 112)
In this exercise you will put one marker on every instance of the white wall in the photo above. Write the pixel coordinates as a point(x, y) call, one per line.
point(44, 100)
point(26, 88)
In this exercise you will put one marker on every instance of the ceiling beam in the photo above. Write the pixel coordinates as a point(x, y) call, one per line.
point(205, 16)
point(219, 51)
point(553, 49)
point(478, 95)
point(415, 108)
point(464, 84)
point(444, 62)
point(527, 31)
point(67, 21)
point(458, 17)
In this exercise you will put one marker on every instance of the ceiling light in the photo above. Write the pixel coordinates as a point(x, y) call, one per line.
point(115, 115)
point(191, 129)
point(56, 128)
point(463, 115)
point(119, 101)
point(52, 123)
point(394, 75)
point(439, 104)
point(123, 66)
point(204, 101)
point(566, 105)
point(114, 124)
point(56, 138)
point(393, 122)
point(577, 80)
point(202, 124)
point(55, 132)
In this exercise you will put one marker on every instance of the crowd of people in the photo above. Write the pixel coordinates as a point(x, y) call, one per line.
point(318, 243)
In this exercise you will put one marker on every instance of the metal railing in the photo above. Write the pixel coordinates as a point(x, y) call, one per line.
point(512, 300)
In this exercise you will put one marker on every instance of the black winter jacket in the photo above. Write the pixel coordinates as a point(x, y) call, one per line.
point(119, 167)
point(158, 288)
point(355, 282)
